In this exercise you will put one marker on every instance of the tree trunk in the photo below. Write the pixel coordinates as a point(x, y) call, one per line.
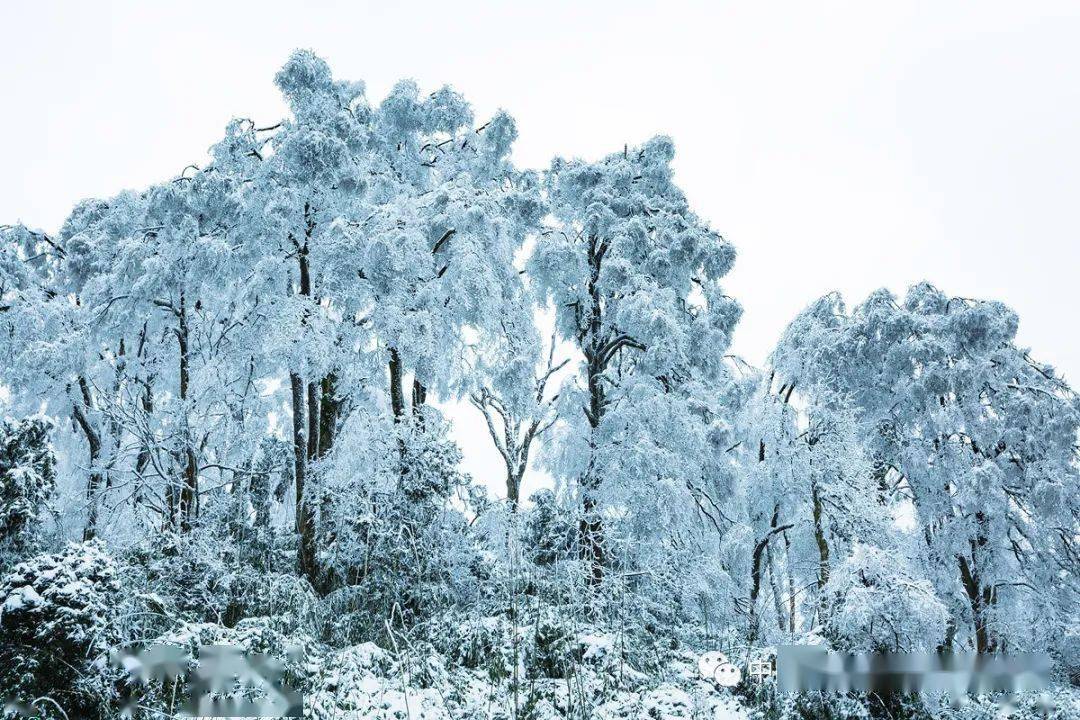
point(305, 417)
point(93, 442)
point(142, 460)
point(514, 476)
point(820, 539)
point(329, 407)
point(591, 528)
point(790, 585)
point(757, 569)
point(823, 551)
point(116, 429)
point(774, 578)
point(774, 585)
point(314, 418)
point(305, 524)
point(189, 490)
point(397, 390)
point(755, 585)
point(419, 397)
point(980, 596)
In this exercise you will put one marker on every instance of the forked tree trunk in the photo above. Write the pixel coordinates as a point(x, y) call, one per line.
point(757, 566)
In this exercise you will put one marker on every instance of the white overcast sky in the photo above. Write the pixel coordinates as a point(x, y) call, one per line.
point(841, 146)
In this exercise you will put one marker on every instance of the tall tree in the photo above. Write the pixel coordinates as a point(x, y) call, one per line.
point(633, 276)
point(980, 439)
point(391, 230)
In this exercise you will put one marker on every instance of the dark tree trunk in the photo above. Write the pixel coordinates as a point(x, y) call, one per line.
point(189, 490)
point(397, 404)
point(146, 404)
point(755, 585)
point(305, 407)
point(397, 390)
point(305, 525)
point(980, 596)
point(774, 579)
point(514, 476)
point(116, 429)
point(329, 408)
point(314, 416)
point(143, 458)
point(93, 443)
point(819, 537)
point(419, 397)
point(591, 527)
point(790, 585)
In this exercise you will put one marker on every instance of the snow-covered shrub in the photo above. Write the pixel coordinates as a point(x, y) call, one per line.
point(274, 594)
point(419, 564)
point(1068, 652)
point(364, 681)
point(551, 652)
point(877, 604)
point(296, 652)
point(1057, 703)
point(27, 482)
point(189, 570)
point(485, 643)
point(665, 702)
point(243, 517)
point(58, 622)
point(202, 578)
point(251, 635)
point(770, 705)
point(549, 529)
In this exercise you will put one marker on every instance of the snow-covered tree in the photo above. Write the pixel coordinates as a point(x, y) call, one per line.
point(237, 388)
point(633, 276)
point(976, 436)
point(517, 415)
point(27, 484)
point(393, 228)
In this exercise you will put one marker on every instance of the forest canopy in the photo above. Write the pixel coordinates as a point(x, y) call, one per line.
point(222, 425)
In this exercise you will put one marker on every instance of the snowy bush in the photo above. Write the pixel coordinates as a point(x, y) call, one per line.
point(27, 482)
point(58, 622)
point(878, 605)
point(486, 643)
point(364, 681)
point(551, 652)
point(273, 594)
point(264, 636)
point(549, 531)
